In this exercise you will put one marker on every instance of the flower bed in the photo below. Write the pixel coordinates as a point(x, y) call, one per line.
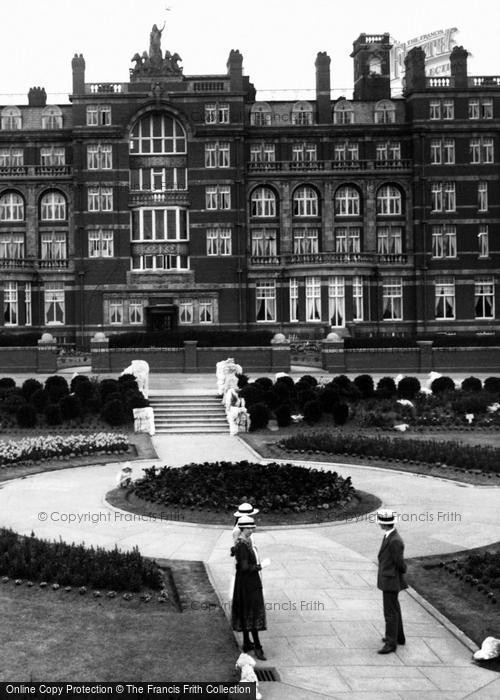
point(50, 446)
point(224, 485)
point(480, 571)
point(61, 564)
point(449, 453)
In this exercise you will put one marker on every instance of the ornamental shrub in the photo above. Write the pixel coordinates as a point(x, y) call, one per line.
point(286, 381)
point(492, 384)
point(329, 396)
point(271, 399)
point(29, 387)
point(53, 414)
point(442, 385)
point(265, 383)
point(252, 393)
point(340, 413)
point(309, 379)
point(312, 411)
point(114, 412)
point(283, 415)
point(259, 416)
point(82, 387)
point(56, 387)
point(127, 382)
point(408, 388)
point(304, 394)
point(70, 407)
point(39, 400)
point(107, 387)
point(242, 380)
point(283, 392)
point(26, 416)
point(6, 384)
point(471, 384)
point(13, 400)
point(364, 382)
point(386, 388)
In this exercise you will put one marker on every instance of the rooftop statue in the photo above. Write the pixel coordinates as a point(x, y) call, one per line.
point(153, 64)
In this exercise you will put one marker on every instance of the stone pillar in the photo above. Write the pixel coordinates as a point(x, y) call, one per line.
point(99, 353)
point(190, 356)
point(332, 354)
point(370, 219)
point(280, 354)
point(425, 363)
point(47, 354)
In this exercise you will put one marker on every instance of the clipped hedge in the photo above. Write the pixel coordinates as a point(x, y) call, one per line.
point(74, 565)
point(448, 453)
point(223, 485)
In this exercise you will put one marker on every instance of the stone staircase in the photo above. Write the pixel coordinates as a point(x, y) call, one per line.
point(188, 414)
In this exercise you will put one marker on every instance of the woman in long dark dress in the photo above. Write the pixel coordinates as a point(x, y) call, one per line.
point(248, 613)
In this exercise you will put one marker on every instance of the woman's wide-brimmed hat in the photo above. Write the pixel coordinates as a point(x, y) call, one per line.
point(385, 517)
point(245, 509)
point(246, 522)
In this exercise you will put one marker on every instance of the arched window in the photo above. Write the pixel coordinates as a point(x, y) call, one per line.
point(302, 114)
point(375, 65)
point(347, 201)
point(389, 201)
point(263, 202)
point(260, 114)
point(305, 202)
point(52, 118)
point(385, 112)
point(11, 118)
point(11, 207)
point(157, 134)
point(53, 207)
point(343, 112)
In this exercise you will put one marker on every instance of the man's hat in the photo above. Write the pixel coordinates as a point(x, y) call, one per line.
point(245, 509)
point(385, 517)
point(246, 522)
point(490, 649)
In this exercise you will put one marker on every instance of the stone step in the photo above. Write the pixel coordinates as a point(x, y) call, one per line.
point(179, 414)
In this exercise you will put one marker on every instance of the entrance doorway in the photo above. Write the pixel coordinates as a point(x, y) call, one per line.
point(162, 318)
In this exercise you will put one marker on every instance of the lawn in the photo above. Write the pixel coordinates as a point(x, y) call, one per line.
point(469, 609)
point(52, 635)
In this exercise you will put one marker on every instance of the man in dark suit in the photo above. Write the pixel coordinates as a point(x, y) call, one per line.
point(390, 580)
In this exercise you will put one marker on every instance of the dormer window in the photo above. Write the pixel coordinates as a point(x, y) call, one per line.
point(343, 112)
point(260, 114)
point(385, 112)
point(11, 119)
point(52, 118)
point(302, 114)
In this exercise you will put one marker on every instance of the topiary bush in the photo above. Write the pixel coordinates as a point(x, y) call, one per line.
point(312, 411)
point(252, 393)
point(56, 387)
point(26, 416)
point(259, 416)
point(114, 412)
point(364, 383)
point(265, 383)
point(108, 387)
point(309, 379)
point(39, 400)
point(471, 384)
point(408, 388)
point(283, 415)
point(6, 384)
point(442, 385)
point(70, 406)
point(53, 414)
point(386, 388)
point(29, 387)
point(82, 387)
point(492, 385)
point(340, 413)
point(329, 396)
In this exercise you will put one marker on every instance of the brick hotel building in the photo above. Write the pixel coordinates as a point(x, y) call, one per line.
point(176, 200)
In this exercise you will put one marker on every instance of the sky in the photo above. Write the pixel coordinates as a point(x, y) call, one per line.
point(279, 39)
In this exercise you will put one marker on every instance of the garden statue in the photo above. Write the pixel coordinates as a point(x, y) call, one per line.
point(152, 63)
point(140, 370)
point(144, 420)
point(226, 372)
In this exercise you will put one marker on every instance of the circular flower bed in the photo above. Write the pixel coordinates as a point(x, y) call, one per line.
point(222, 486)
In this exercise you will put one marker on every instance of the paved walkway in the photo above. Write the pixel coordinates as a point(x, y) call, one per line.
point(325, 615)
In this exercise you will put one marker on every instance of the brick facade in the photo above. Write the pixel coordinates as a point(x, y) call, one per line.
point(181, 200)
